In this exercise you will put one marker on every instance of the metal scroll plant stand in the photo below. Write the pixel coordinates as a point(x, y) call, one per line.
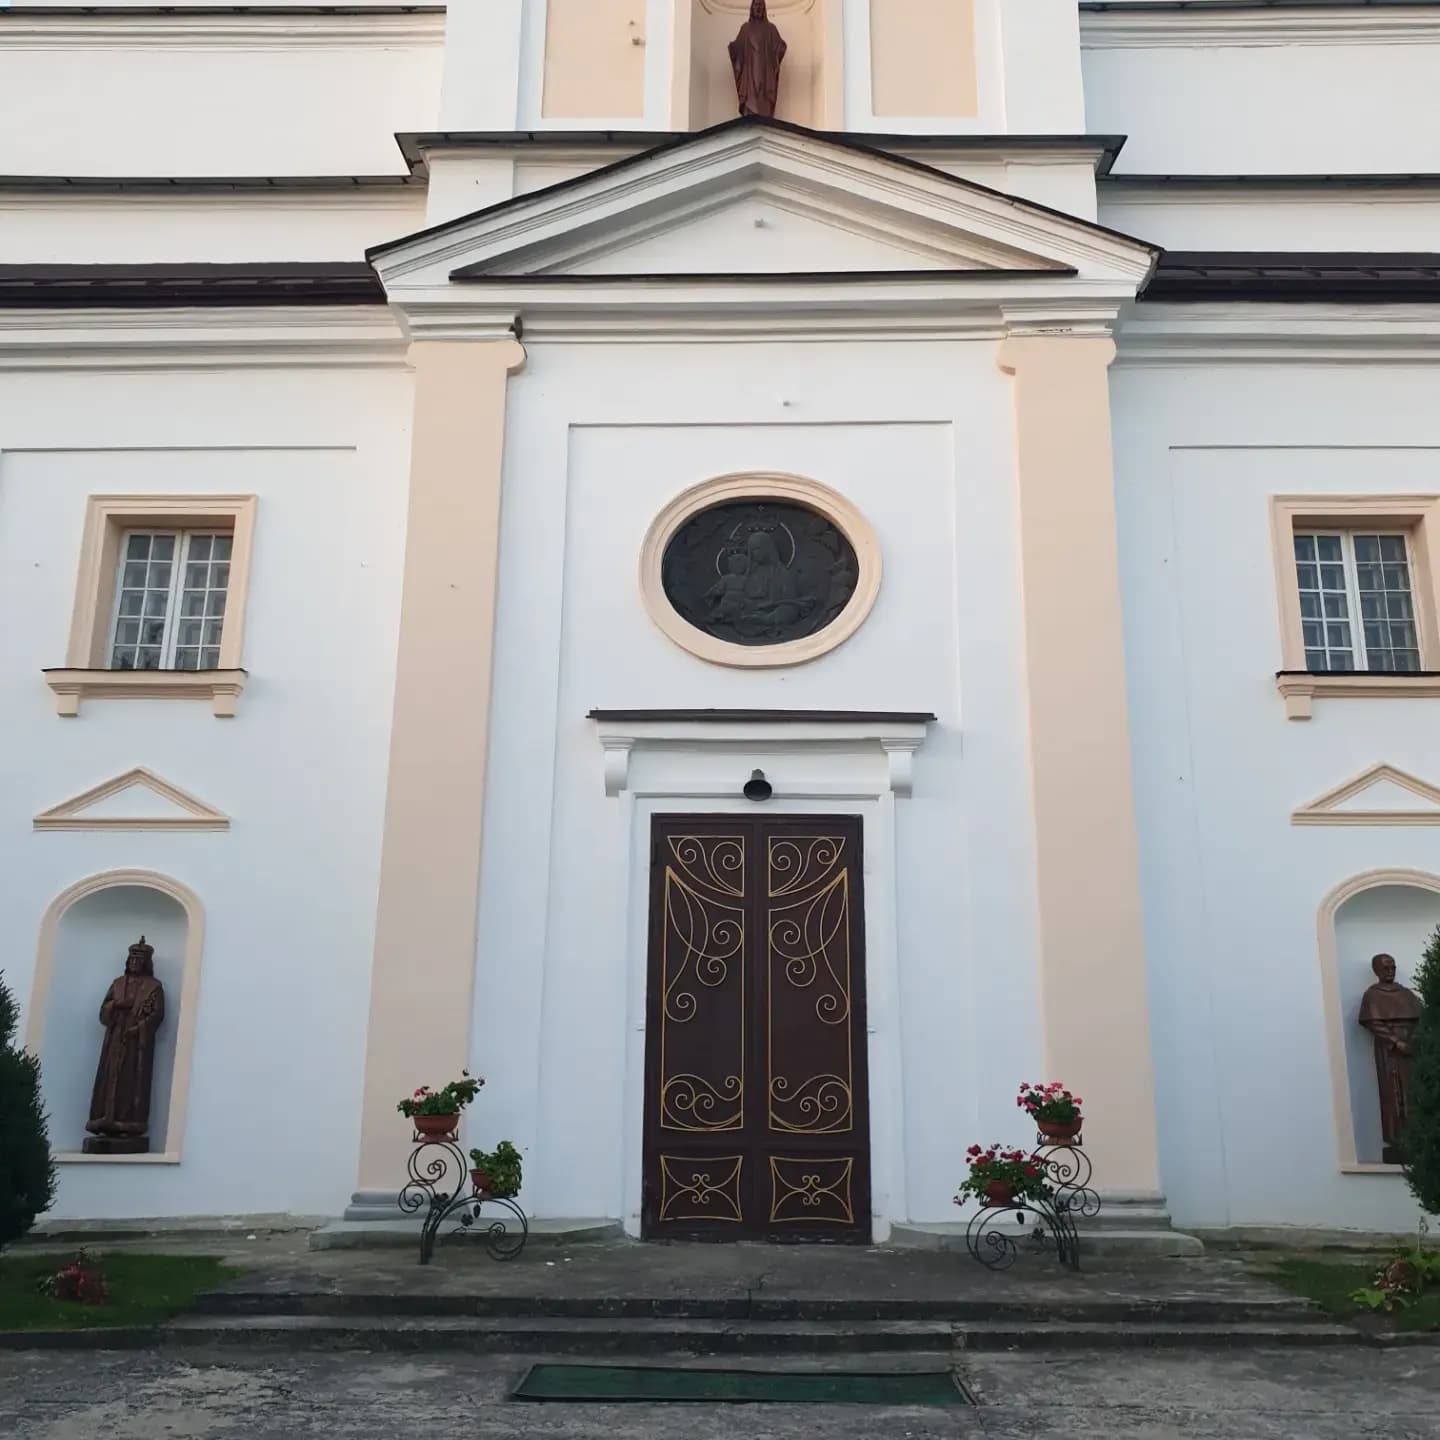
point(1038, 1223)
point(439, 1184)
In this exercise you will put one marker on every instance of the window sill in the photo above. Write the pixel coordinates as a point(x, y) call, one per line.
point(221, 687)
point(1301, 687)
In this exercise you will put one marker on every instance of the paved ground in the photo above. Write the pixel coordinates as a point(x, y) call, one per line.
point(1346, 1394)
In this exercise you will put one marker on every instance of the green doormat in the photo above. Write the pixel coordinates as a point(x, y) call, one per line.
point(580, 1383)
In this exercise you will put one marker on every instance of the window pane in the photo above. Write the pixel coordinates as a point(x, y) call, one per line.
point(144, 636)
point(1324, 603)
point(1391, 642)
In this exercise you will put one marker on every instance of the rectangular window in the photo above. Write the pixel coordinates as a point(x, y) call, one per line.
point(1357, 608)
point(170, 599)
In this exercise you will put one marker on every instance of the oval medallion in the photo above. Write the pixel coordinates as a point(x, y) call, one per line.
point(759, 572)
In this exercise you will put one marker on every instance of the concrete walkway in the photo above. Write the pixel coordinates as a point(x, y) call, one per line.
point(222, 1395)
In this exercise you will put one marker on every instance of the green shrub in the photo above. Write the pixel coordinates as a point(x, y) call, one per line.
point(27, 1174)
point(1422, 1132)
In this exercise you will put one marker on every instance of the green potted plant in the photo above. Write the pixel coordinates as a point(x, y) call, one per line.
point(435, 1114)
point(1055, 1111)
point(495, 1174)
point(1001, 1177)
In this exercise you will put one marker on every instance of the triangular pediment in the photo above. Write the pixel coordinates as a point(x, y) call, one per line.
point(137, 800)
point(760, 199)
point(1381, 795)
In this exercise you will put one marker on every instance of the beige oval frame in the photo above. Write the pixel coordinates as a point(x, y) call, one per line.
point(760, 485)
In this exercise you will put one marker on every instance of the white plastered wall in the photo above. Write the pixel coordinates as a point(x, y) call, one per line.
point(289, 891)
point(1232, 888)
point(598, 440)
point(1265, 108)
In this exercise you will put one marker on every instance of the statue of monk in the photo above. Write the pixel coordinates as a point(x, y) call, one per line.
point(131, 1013)
point(755, 55)
point(1389, 1012)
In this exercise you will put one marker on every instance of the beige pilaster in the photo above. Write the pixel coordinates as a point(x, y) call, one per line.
point(423, 974)
point(1092, 950)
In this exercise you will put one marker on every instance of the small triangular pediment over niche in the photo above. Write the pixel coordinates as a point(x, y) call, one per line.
point(137, 800)
point(1381, 795)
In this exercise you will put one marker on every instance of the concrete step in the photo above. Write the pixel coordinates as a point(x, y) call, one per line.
point(612, 1336)
point(239, 1303)
point(382, 1234)
point(1115, 1239)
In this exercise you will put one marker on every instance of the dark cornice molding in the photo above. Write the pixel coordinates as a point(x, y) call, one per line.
point(1295, 277)
point(155, 286)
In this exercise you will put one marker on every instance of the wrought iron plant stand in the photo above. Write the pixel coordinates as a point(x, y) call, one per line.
point(441, 1186)
point(1037, 1223)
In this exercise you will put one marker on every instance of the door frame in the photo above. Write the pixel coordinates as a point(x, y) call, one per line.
point(883, 1051)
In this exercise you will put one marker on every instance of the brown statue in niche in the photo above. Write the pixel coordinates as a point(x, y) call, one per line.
point(755, 55)
point(131, 1013)
point(1389, 1012)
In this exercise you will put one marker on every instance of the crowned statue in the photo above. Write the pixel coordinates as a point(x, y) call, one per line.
point(131, 1013)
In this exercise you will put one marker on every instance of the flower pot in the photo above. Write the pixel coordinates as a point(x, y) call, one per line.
point(435, 1127)
point(480, 1181)
point(1060, 1132)
point(999, 1192)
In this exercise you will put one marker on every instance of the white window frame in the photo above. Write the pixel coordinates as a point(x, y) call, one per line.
point(1355, 617)
point(183, 540)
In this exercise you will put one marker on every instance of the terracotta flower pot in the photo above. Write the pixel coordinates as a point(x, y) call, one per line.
point(435, 1127)
point(999, 1192)
point(1060, 1132)
point(480, 1181)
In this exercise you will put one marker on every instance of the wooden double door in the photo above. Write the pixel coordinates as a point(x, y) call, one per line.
point(756, 1093)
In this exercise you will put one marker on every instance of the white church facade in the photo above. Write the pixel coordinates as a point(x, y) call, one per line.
point(754, 636)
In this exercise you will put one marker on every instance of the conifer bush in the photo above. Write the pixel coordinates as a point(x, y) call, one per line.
point(1422, 1132)
point(27, 1174)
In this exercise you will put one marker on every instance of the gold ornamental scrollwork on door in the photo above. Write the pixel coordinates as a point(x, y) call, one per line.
point(703, 985)
point(808, 927)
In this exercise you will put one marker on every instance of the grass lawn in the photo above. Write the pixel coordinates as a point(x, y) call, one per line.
point(1329, 1283)
point(143, 1290)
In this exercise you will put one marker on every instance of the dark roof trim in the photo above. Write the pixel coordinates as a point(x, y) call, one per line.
point(676, 142)
point(1100, 5)
point(1376, 181)
point(1265, 276)
point(139, 286)
point(150, 12)
point(783, 717)
point(1295, 277)
point(200, 184)
point(472, 275)
point(414, 143)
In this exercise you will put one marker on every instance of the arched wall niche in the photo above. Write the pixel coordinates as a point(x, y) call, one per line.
point(1380, 911)
point(811, 82)
point(84, 936)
